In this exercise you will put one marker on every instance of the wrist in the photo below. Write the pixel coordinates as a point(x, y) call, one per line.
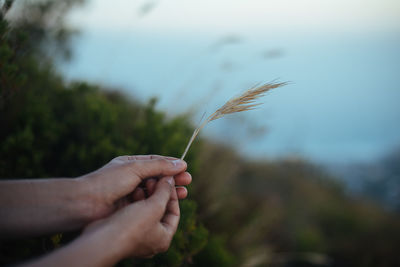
point(83, 201)
point(120, 236)
point(92, 248)
point(94, 203)
point(104, 245)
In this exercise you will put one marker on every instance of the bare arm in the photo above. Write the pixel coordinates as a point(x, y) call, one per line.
point(41, 206)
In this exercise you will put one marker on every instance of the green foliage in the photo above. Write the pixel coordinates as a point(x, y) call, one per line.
point(83, 127)
point(11, 77)
point(52, 129)
point(215, 254)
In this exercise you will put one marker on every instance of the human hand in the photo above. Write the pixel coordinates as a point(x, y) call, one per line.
point(143, 228)
point(117, 183)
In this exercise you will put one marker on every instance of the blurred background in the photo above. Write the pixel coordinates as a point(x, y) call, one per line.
point(341, 57)
point(311, 178)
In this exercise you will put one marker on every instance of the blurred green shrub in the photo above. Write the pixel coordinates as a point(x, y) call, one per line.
point(50, 128)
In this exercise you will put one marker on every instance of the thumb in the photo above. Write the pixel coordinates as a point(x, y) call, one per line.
point(158, 167)
point(161, 196)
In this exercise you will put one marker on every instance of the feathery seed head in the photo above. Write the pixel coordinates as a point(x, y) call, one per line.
point(244, 102)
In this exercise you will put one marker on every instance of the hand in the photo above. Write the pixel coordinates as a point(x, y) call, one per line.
point(143, 228)
point(116, 184)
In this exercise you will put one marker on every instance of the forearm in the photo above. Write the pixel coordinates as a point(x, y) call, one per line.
point(41, 206)
point(96, 249)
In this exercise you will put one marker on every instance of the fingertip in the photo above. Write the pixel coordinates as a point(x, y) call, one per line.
point(150, 185)
point(163, 190)
point(138, 194)
point(171, 181)
point(182, 192)
point(179, 164)
point(183, 178)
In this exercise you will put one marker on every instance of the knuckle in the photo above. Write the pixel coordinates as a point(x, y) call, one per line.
point(158, 205)
point(163, 162)
point(135, 167)
point(120, 158)
point(178, 212)
point(155, 204)
point(130, 158)
point(164, 245)
point(127, 167)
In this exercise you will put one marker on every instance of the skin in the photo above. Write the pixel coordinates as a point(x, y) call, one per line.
point(125, 207)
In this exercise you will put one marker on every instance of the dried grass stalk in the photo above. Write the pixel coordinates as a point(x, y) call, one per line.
point(244, 102)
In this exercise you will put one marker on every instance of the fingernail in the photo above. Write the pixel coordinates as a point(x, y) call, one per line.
point(178, 163)
point(171, 181)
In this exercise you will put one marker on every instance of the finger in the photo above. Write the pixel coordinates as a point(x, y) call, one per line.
point(144, 157)
point(138, 194)
point(147, 157)
point(121, 203)
point(147, 257)
point(183, 178)
point(150, 185)
point(172, 214)
point(182, 192)
point(161, 195)
point(157, 167)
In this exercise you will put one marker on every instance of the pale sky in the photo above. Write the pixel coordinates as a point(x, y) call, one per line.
point(240, 15)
